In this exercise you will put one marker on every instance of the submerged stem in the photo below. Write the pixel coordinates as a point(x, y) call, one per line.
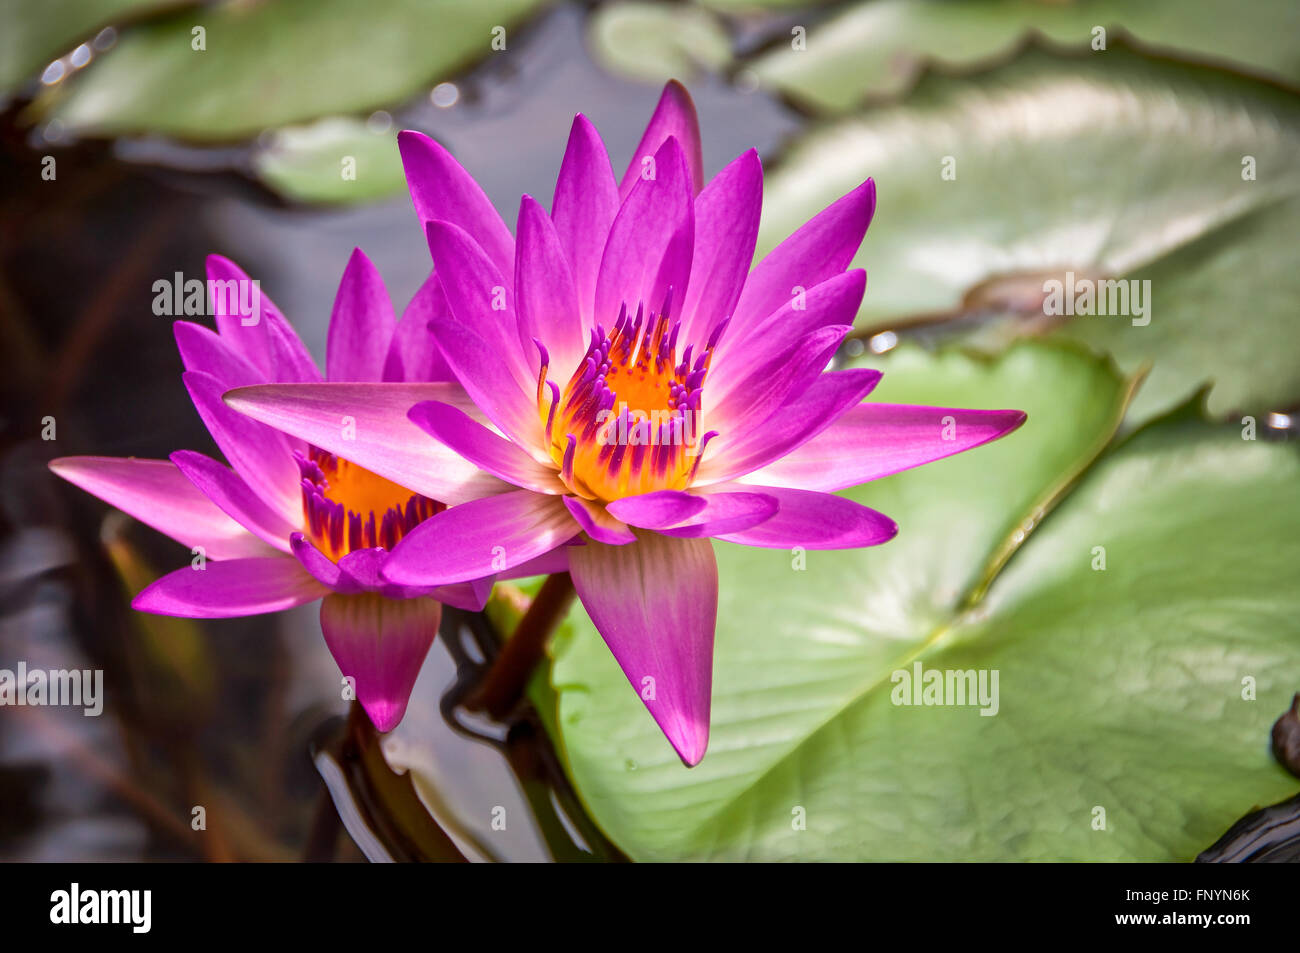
point(508, 676)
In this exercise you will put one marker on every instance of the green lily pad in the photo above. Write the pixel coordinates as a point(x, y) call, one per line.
point(336, 160)
point(655, 43)
point(34, 34)
point(1118, 689)
point(1110, 165)
point(878, 48)
point(1212, 290)
point(274, 64)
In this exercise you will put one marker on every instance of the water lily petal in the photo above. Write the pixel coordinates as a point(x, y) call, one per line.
point(254, 327)
point(871, 441)
point(324, 569)
point(362, 571)
point(471, 596)
point(262, 456)
point(815, 521)
point(231, 587)
point(724, 512)
point(656, 605)
point(834, 302)
point(443, 191)
point(545, 296)
point(202, 349)
point(367, 424)
point(674, 117)
point(238, 308)
point(380, 644)
point(660, 508)
point(414, 354)
point(224, 487)
point(822, 248)
point(481, 538)
point(361, 324)
point(479, 336)
point(830, 395)
point(598, 522)
point(770, 388)
point(157, 494)
point(483, 448)
point(726, 229)
point(359, 571)
point(651, 242)
point(586, 201)
point(289, 355)
point(557, 560)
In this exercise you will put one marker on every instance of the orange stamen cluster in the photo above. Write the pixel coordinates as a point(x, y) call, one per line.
point(346, 507)
point(628, 421)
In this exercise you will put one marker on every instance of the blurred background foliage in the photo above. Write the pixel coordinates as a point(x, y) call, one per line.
point(1166, 153)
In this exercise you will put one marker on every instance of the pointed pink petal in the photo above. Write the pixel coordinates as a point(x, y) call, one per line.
point(674, 116)
point(651, 241)
point(361, 324)
point(694, 515)
point(233, 303)
point(586, 201)
point(414, 354)
point(231, 587)
point(367, 424)
point(725, 512)
point(380, 643)
point(471, 596)
point(829, 396)
point(557, 560)
point(159, 495)
point(484, 448)
point(254, 327)
point(545, 296)
point(479, 336)
point(324, 569)
point(223, 487)
point(815, 521)
point(769, 388)
point(656, 509)
point(260, 455)
point(834, 302)
point(289, 355)
point(726, 229)
point(871, 441)
point(822, 248)
point(444, 192)
point(481, 538)
point(204, 350)
point(598, 522)
point(656, 604)
point(361, 571)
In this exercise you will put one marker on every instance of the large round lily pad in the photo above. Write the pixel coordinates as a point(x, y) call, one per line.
point(877, 48)
point(1120, 688)
point(1108, 166)
point(272, 64)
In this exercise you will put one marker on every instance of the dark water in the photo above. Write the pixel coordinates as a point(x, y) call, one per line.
point(222, 715)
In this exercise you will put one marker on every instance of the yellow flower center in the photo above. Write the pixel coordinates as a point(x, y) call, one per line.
point(628, 421)
point(346, 507)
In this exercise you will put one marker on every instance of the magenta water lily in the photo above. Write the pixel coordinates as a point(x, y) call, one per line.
point(635, 390)
point(291, 523)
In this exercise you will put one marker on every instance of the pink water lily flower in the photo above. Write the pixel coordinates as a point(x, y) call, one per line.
point(644, 391)
point(291, 523)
